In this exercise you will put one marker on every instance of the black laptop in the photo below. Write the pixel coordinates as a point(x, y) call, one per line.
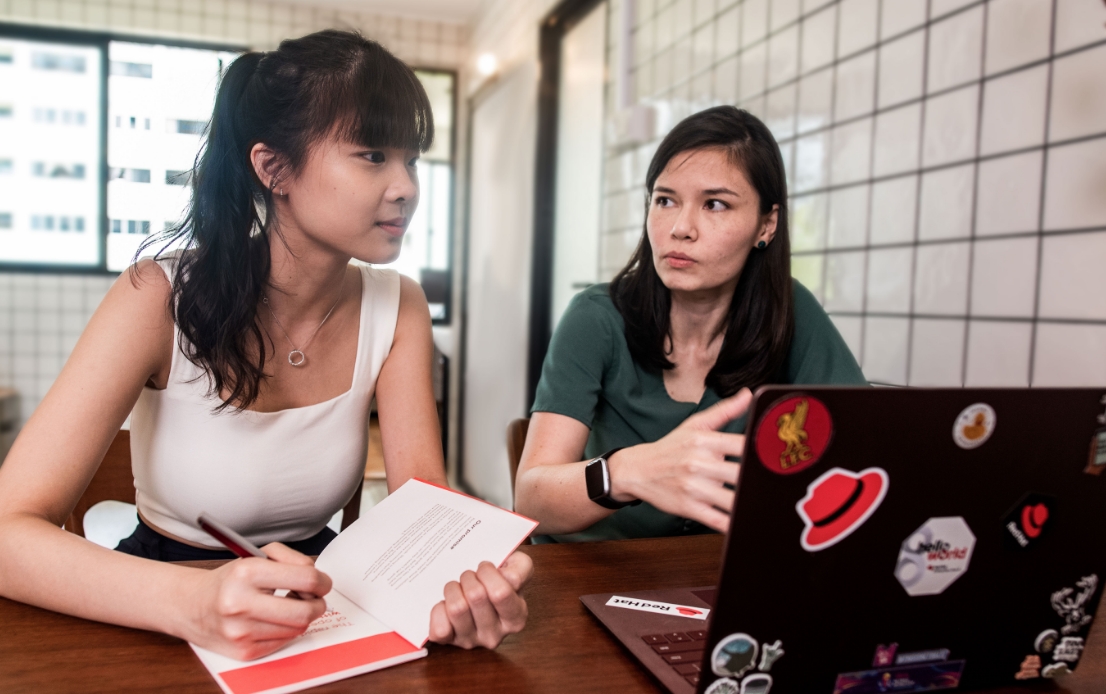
point(893, 540)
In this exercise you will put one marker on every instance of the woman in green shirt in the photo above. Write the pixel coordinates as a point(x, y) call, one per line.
point(653, 372)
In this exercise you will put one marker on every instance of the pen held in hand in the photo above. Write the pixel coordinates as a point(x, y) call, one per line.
point(238, 544)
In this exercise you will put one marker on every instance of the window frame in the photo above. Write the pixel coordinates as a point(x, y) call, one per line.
point(100, 40)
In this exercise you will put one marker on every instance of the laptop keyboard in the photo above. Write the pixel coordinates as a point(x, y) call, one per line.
point(683, 650)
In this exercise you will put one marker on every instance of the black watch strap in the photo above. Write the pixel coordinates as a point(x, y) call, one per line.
point(597, 474)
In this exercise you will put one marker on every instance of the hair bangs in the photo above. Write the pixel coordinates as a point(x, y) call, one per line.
point(385, 105)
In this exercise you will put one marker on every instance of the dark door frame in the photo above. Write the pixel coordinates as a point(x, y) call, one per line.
point(556, 24)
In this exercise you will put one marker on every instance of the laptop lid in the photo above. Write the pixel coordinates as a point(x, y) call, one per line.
point(910, 540)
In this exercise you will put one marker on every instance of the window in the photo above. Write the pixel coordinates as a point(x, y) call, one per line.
point(427, 246)
point(50, 156)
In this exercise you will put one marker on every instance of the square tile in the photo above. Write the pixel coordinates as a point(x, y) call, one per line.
point(1014, 111)
point(939, 8)
point(807, 222)
point(899, 16)
point(663, 72)
point(896, 141)
point(857, 26)
point(754, 21)
point(702, 48)
point(782, 12)
point(848, 217)
point(937, 353)
point(787, 156)
point(889, 272)
point(726, 76)
point(901, 64)
point(1069, 355)
point(1009, 195)
point(818, 39)
point(955, 50)
point(704, 11)
point(681, 60)
point(1004, 278)
point(1073, 192)
point(783, 56)
point(683, 16)
point(851, 152)
point(666, 29)
point(885, 341)
point(894, 207)
point(851, 330)
point(1073, 284)
point(815, 101)
point(941, 279)
point(809, 270)
point(753, 63)
point(946, 203)
point(950, 127)
point(845, 281)
point(1078, 22)
point(998, 354)
point(1079, 95)
point(856, 89)
point(781, 106)
point(1018, 32)
point(811, 162)
point(727, 38)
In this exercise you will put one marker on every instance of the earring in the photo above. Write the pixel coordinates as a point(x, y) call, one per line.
point(761, 245)
point(282, 192)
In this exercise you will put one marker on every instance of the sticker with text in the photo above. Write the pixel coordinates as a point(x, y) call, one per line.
point(974, 426)
point(837, 503)
point(793, 434)
point(935, 556)
point(658, 607)
point(1028, 520)
point(911, 678)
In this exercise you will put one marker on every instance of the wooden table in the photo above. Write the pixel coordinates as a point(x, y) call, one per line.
point(563, 649)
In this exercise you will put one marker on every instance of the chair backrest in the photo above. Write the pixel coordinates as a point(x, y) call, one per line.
point(114, 481)
point(516, 440)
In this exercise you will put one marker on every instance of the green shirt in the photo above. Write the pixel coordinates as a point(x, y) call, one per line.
point(590, 376)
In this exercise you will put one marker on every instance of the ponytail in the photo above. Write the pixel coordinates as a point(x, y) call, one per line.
point(288, 99)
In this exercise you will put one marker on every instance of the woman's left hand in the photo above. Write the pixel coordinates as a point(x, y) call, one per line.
point(484, 606)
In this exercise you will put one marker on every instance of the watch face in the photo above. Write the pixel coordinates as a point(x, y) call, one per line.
point(598, 481)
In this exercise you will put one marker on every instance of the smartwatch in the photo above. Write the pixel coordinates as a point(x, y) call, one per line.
point(597, 473)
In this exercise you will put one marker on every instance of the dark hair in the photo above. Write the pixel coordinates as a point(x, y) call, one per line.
point(327, 84)
point(760, 323)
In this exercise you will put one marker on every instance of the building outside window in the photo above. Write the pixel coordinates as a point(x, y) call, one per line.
point(50, 153)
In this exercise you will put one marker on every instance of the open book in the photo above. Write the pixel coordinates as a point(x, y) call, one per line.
point(388, 569)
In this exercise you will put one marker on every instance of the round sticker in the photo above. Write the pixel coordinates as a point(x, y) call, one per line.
point(734, 655)
point(793, 434)
point(723, 686)
point(974, 426)
point(1046, 641)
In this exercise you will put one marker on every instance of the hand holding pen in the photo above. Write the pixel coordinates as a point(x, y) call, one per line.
point(239, 545)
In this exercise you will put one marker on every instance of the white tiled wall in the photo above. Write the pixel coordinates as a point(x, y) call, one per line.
point(947, 165)
point(41, 315)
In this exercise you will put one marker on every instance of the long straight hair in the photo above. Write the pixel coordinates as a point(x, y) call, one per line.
point(327, 84)
point(761, 321)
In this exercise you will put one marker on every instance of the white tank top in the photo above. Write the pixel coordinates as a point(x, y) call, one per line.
point(272, 476)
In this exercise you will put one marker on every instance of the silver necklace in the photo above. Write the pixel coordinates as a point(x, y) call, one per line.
point(302, 358)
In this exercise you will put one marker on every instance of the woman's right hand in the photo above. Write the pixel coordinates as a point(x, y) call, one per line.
point(684, 472)
point(235, 613)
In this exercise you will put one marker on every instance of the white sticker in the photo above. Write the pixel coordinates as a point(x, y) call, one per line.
point(935, 555)
point(974, 426)
point(759, 683)
point(723, 686)
point(658, 607)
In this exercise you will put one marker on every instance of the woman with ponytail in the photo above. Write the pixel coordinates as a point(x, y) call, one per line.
point(247, 362)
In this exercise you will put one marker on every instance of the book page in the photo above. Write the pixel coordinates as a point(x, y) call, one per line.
point(343, 642)
point(395, 560)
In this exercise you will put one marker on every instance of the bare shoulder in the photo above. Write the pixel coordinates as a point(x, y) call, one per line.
point(414, 312)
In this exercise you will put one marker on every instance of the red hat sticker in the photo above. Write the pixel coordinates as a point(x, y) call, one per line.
point(837, 503)
point(793, 434)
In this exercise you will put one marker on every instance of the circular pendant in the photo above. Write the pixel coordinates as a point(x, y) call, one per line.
point(296, 361)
